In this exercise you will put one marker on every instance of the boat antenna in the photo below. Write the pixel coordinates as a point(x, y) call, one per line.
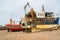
point(43, 10)
point(11, 18)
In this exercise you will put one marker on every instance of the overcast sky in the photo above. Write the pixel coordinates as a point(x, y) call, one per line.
point(15, 8)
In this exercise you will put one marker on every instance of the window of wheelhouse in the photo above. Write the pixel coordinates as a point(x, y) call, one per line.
point(49, 14)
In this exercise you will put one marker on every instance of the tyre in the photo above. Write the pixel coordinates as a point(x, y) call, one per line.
point(29, 30)
point(9, 30)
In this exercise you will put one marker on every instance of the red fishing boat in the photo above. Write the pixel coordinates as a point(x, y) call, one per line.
point(13, 27)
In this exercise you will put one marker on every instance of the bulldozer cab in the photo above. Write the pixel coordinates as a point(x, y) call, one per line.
point(28, 24)
point(31, 23)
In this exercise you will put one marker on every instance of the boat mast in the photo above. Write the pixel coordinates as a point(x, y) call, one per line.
point(43, 10)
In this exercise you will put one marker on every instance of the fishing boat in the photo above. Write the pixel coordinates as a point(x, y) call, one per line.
point(36, 21)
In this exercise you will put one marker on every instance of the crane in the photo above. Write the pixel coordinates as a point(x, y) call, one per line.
point(26, 7)
point(32, 12)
